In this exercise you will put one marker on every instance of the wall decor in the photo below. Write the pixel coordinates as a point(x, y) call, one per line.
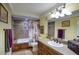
point(3, 14)
point(66, 23)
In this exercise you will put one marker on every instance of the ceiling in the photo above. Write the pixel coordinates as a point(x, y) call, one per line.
point(31, 9)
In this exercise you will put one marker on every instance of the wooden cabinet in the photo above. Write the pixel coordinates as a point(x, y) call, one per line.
point(45, 50)
point(17, 47)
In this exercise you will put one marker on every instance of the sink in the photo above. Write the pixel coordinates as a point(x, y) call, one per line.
point(52, 43)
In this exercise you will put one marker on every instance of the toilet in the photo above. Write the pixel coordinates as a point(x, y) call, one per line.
point(34, 46)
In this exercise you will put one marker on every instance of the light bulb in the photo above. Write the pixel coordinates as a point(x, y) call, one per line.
point(62, 15)
point(52, 15)
point(66, 12)
point(57, 14)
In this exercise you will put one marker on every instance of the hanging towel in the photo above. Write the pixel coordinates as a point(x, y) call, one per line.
point(10, 38)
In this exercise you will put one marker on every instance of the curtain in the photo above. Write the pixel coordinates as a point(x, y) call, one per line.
point(33, 30)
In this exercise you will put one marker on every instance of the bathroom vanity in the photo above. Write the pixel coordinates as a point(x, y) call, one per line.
point(45, 49)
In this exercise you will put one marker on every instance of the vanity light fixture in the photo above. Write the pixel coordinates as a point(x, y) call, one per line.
point(60, 12)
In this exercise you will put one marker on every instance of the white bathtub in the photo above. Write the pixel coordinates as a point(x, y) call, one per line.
point(24, 40)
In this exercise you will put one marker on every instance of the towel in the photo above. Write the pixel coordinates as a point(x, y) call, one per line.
point(10, 38)
point(7, 41)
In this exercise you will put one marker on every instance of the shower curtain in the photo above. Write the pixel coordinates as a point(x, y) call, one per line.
point(33, 31)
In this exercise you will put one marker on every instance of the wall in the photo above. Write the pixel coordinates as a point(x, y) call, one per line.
point(20, 29)
point(72, 6)
point(44, 22)
point(70, 32)
point(4, 26)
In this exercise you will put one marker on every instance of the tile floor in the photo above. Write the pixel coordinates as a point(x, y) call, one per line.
point(23, 52)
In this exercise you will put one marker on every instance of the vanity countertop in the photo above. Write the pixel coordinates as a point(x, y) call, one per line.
point(64, 50)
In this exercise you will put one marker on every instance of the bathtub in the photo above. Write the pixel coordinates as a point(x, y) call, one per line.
point(21, 44)
point(24, 40)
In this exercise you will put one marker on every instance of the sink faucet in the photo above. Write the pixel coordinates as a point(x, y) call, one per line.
point(57, 41)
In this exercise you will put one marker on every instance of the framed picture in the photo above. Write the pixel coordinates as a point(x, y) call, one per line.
point(66, 23)
point(3, 14)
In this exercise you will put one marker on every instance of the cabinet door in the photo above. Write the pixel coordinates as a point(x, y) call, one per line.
point(45, 50)
point(25, 46)
point(15, 47)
